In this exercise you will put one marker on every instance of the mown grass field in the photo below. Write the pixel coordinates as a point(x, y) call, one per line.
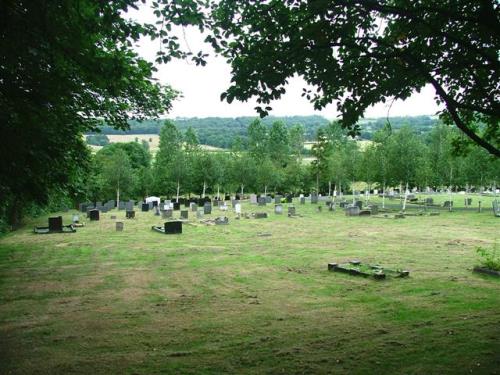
point(252, 297)
point(153, 141)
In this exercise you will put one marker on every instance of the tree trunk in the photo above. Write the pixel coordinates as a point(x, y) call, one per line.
point(329, 188)
point(204, 187)
point(178, 188)
point(242, 190)
point(218, 192)
point(118, 195)
point(383, 196)
point(406, 196)
point(265, 190)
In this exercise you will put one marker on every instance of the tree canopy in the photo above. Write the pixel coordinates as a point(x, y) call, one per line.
point(357, 53)
point(65, 67)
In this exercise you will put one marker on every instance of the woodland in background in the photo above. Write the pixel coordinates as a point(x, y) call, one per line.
point(271, 159)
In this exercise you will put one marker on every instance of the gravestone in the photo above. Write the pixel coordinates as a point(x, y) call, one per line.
point(261, 201)
point(194, 207)
point(75, 219)
point(359, 204)
point(98, 204)
point(119, 226)
point(82, 207)
point(291, 211)
point(94, 215)
point(352, 211)
point(343, 204)
point(302, 200)
point(221, 220)
point(55, 224)
point(496, 208)
point(277, 199)
point(269, 199)
point(448, 204)
point(429, 201)
point(289, 198)
point(253, 198)
point(261, 215)
point(237, 208)
point(278, 209)
point(314, 198)
point(157, 210)
point(468, 201)
point(129, 206)
point(186, 203)
point(122, 205)
point(150, 204)
point(184, 214)
point(223, 207)
point(113, 217)
point(130, 214)
point(145, 207)
point(234, 201)
point(207, 208)
point(331, 206)
point(374, 209)
point(200, 213)
point(167, 214)
point(173, 227)
point(104, 209)
point(177, 206)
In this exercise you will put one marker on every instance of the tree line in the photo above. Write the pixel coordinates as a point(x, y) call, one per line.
point(273, 161)
point(222, 131)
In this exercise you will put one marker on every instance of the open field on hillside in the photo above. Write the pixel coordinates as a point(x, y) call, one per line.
point(251, 297)
point(152, 139)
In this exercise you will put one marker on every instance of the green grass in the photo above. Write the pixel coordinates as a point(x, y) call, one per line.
point(222, 299)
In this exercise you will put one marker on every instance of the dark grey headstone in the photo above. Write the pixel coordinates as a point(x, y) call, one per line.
point(55, 224)
point(314, 198)
point(277, 199)
point(261, 215)
point(184, 214)
point(302, 200)
point(207, 208)
point(194, 207)
point(145, 207)
point(291, 211)
point(352, 211)
point(94, 215)
point(173, 227)
point(130, 214)
point(262, 201)
point(119, 226)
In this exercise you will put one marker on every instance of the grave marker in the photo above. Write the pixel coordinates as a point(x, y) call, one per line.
point(119, 226)
point(94, 215)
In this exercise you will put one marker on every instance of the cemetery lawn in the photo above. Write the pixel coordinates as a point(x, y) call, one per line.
point(251, 297)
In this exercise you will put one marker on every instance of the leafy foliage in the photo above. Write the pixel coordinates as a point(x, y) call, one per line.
point(64, 68)
point(358, 53)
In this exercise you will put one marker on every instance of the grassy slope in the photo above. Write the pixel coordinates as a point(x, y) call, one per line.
point(224, 299)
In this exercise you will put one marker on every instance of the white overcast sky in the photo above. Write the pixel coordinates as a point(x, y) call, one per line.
point(201, 86)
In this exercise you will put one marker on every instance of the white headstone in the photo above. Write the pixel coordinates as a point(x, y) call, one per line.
point(237, 208)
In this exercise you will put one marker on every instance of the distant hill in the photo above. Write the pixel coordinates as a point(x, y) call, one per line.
point(221, 131)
